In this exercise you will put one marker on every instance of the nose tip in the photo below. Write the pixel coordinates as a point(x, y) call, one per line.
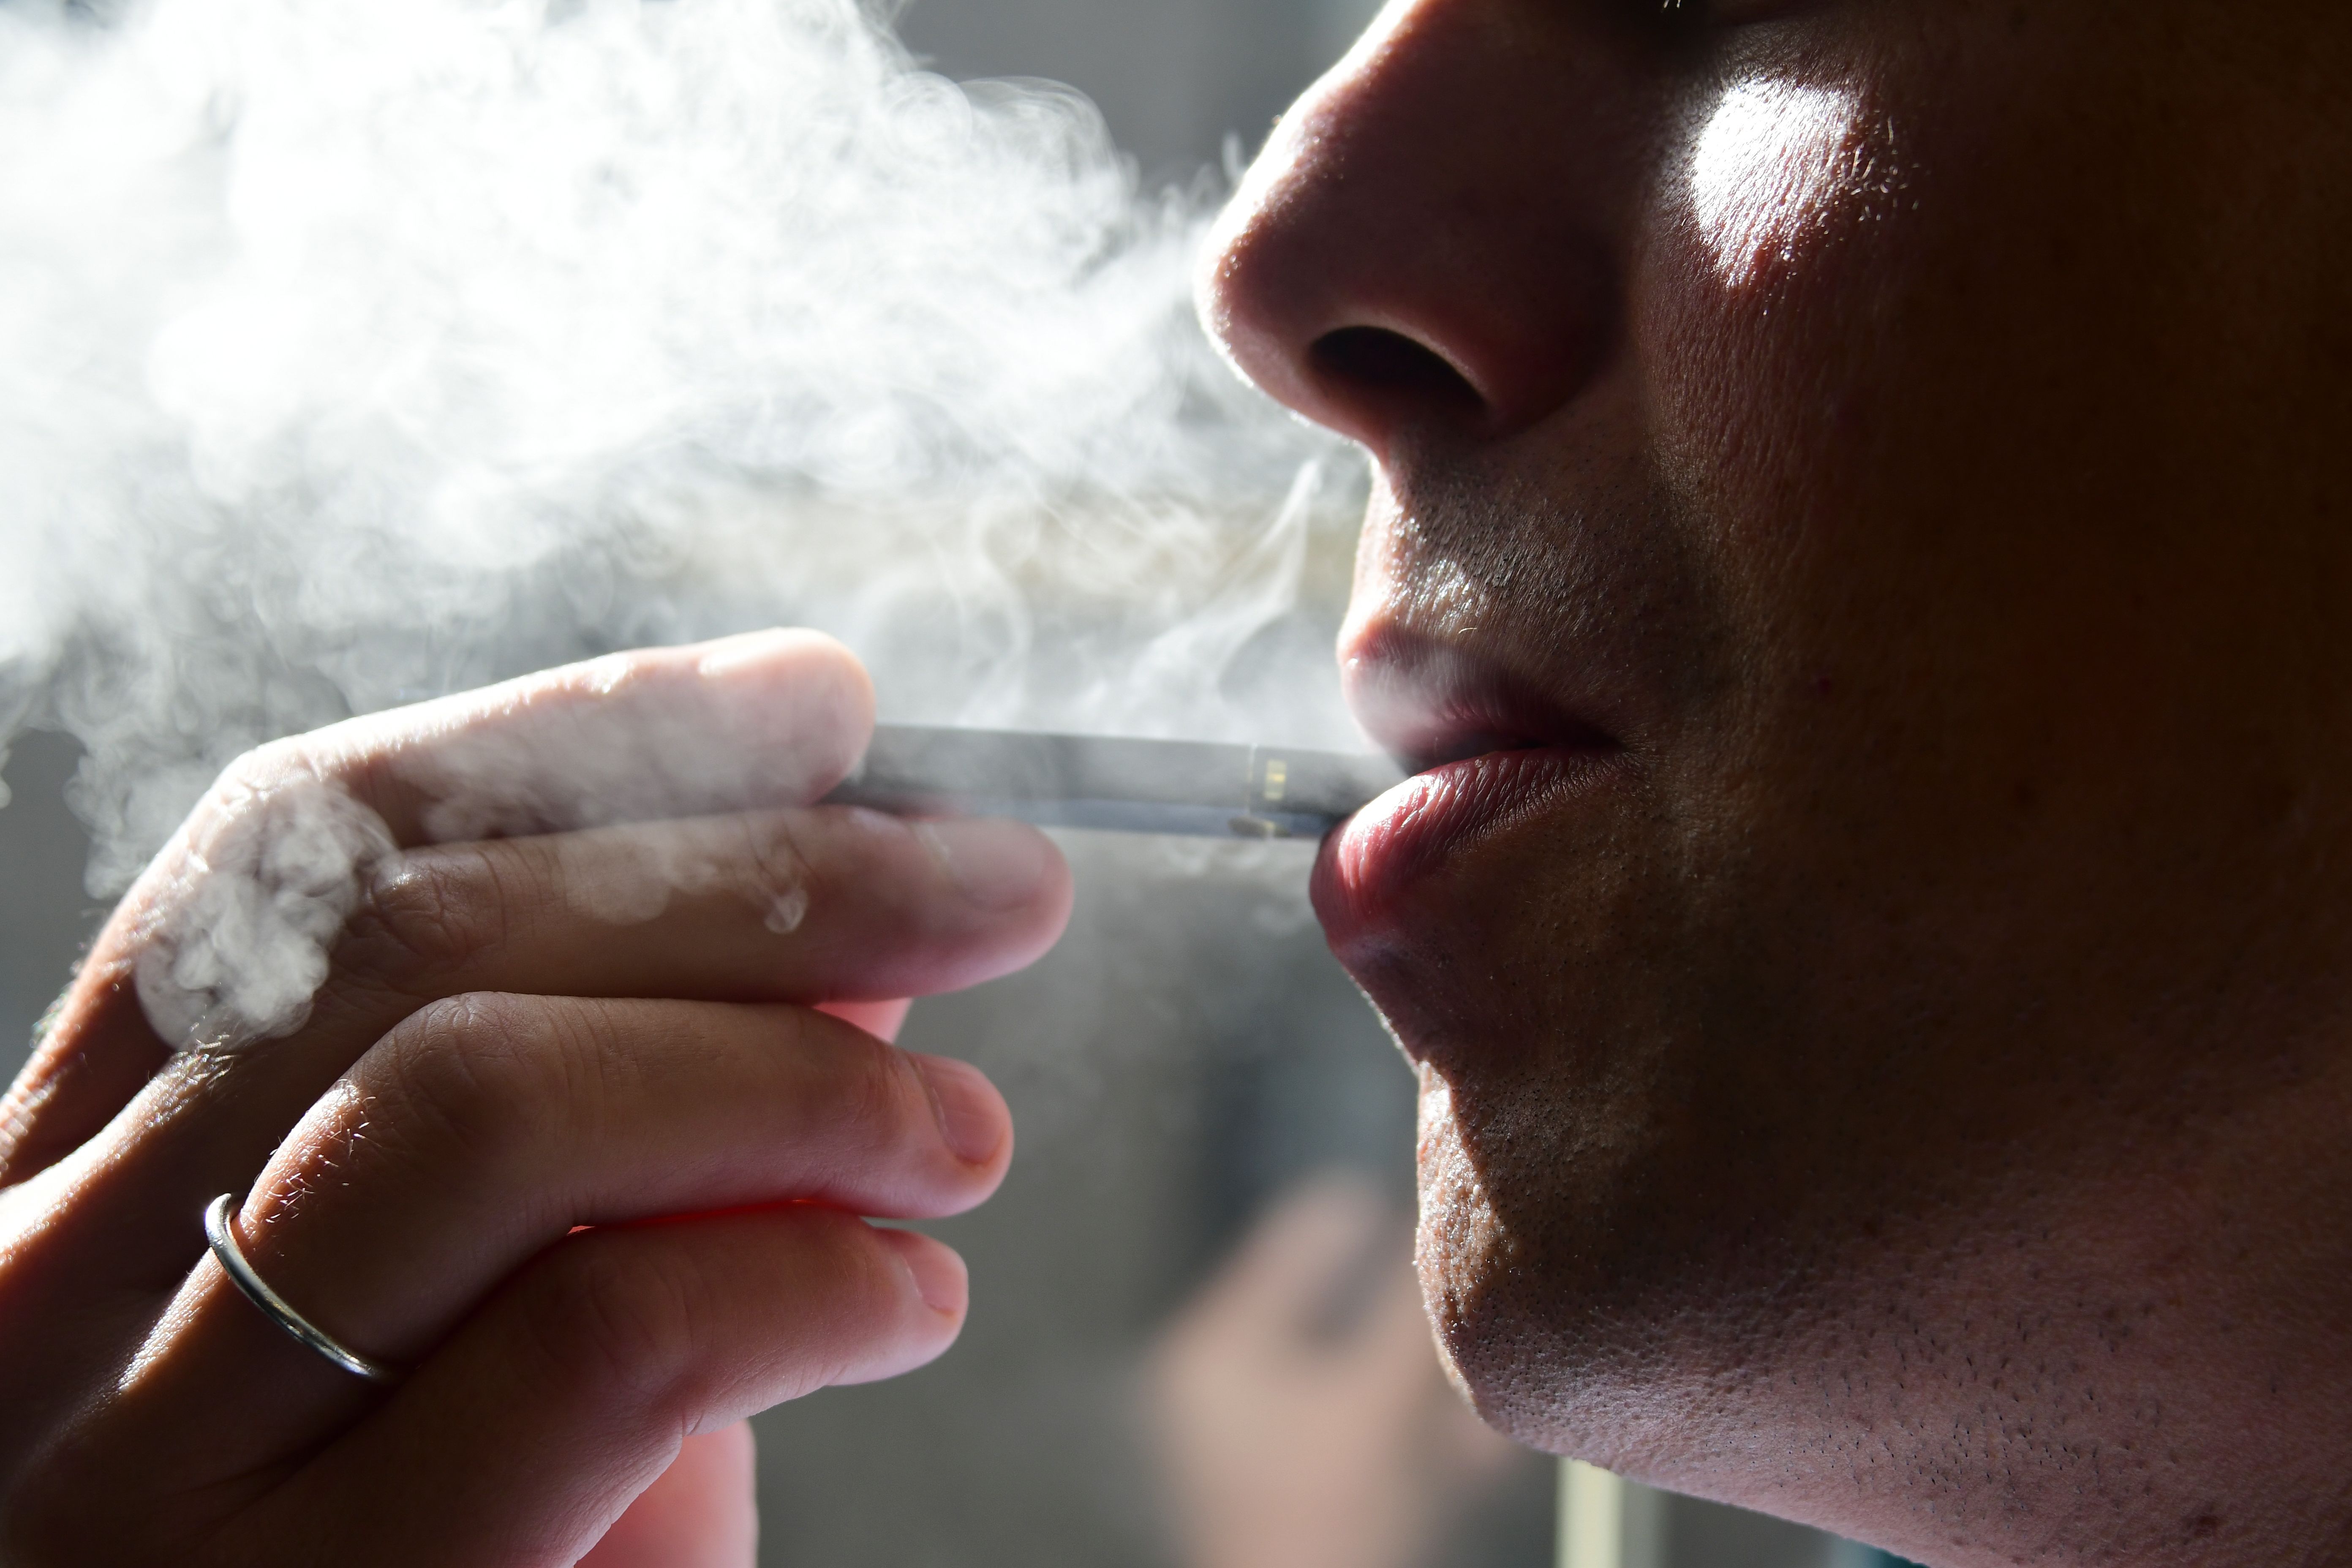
point(1382, 272)
point(1292, 323)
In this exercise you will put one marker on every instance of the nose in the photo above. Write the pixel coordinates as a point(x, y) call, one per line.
point(1427, 242)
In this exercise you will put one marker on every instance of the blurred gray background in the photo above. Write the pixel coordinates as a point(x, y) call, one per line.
point(1186, 1055)
point(1174, 78)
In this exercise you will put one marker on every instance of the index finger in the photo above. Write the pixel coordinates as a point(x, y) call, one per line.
point(765, 719)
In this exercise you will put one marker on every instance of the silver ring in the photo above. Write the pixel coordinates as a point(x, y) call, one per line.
point(273, 1305)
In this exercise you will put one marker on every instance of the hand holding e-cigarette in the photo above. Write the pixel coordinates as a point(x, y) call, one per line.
point(509, 1026)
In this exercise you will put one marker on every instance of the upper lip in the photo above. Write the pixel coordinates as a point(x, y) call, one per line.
point(1430, 701)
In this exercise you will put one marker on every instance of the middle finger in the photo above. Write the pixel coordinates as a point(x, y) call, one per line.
point(808, 904)
point(816, 904)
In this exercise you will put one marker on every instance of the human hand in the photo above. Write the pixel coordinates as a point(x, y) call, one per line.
point(1301, 1415)
point(433, 990)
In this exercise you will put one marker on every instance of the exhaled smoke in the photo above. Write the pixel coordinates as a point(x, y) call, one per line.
point(267, 884)
point(354, 353)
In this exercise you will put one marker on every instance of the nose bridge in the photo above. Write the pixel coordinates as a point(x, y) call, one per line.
point(1428, 235)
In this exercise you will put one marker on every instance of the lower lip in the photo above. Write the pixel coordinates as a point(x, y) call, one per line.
point(1375, 857)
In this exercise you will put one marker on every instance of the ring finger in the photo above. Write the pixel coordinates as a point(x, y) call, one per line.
point(482, 1133)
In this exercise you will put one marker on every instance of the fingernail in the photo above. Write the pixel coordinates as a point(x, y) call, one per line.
point(971, 1117)
point(996, 865)
point(939, 1276)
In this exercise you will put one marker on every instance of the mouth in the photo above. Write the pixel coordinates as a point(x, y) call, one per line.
point(1490, 749)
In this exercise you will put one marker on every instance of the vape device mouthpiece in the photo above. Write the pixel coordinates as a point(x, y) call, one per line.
point(1198, 788)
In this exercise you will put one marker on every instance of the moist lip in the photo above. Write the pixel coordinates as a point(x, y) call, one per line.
point(1490, 745)
point(1371, 864)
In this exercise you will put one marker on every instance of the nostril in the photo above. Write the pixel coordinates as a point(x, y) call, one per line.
point(1389, 368)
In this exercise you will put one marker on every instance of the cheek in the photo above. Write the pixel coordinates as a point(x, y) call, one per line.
point(1759, 297)
point(1777, 169)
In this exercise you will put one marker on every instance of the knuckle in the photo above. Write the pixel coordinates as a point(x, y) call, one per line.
point(255, 779)
point(870, 1294)
point(420, 917)
point(879, 1098)
point(881, 1286)
point(260, 769)
point(479, 1080)
point(619, 1317)
point(778, 876)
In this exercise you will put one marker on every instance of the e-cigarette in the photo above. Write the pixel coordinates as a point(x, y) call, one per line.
point(1198, 788)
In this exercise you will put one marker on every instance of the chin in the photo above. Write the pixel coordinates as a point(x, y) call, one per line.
point(1546, 1252)
point(1530, 1332)
point(1615, 1157)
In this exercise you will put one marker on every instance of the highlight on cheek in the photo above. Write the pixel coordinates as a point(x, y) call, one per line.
point(1772, 163)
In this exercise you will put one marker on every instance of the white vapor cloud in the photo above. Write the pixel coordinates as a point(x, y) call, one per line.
point(356, 351)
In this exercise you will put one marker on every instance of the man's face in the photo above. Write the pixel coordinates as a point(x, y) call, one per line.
point(1861, 483)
